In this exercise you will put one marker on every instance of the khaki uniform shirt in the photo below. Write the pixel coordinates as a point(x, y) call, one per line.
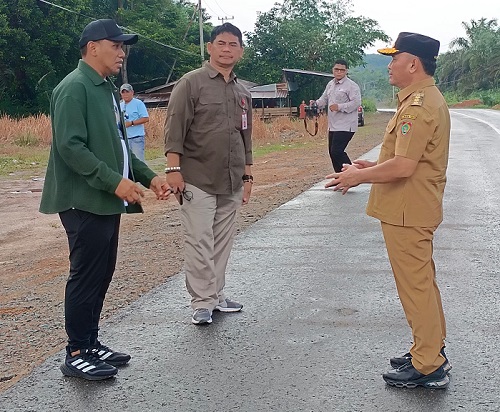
point(205, 125)
point(420, 130)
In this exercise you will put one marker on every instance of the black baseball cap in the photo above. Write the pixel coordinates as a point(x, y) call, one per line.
point(414, 43)
point(105, 29)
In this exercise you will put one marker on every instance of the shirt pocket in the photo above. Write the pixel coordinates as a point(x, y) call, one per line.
point(389, 142)
point(210, 108)
point(340, 96)
point(391, 125)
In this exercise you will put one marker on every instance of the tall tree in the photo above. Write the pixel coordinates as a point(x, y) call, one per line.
point(308, 35)
point(38, 44)
point(473, 63)
point(168, 36)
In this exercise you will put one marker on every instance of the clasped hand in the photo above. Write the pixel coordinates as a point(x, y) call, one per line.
point(348, 177)
point(132, 193)
point(160, 187)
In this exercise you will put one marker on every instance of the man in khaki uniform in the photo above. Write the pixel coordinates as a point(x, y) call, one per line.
point(407, 197)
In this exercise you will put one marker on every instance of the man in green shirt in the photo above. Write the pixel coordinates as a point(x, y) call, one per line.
point(90, 181)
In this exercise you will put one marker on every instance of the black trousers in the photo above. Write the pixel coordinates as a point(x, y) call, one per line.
point(337, 142)
point(93, 247)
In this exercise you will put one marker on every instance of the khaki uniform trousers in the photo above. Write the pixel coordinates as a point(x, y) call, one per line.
point(209, 228)
point(410, 253)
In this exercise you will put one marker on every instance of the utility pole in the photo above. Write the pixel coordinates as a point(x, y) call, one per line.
point(191, 20)
point(202, 43)
point(224, 19)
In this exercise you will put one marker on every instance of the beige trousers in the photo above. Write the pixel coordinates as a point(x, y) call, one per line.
point(209, 228)
point(410, 253)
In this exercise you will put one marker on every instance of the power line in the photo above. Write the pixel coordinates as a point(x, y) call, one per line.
point(224, 19)
point(130, 30)
point(184, 38)
point(221, 8)
point(212, 10)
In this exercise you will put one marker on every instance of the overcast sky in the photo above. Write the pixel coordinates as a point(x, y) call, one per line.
point(441, 19)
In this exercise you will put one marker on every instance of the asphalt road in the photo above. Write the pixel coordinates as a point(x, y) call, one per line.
point(321, 316)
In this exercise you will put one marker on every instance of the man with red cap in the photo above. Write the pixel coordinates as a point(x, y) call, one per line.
point(407, 197)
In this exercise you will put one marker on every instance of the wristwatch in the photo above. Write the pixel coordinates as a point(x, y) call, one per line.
point(248, 178)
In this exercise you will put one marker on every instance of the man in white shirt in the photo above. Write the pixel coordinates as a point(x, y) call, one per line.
point(342, 97)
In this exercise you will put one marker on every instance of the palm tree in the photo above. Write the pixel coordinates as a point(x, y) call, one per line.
point(473, 62)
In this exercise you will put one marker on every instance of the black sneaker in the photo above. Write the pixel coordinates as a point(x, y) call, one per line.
point(408, 377)
point(109, 355)
point(399, 361)
point(87, 366)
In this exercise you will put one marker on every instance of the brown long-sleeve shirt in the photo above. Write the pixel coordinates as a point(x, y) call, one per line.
point(205, 125)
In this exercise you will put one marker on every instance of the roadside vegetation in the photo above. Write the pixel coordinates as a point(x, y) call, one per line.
point(25, 143)
point(169, 44)
point(468, 74)
point(471, 69)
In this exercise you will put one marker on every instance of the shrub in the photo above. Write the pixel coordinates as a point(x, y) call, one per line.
point(26, 139)
point(26, 130)
point(369, 105)
point(490, 97)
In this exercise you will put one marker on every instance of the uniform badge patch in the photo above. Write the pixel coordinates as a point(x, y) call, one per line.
point(405, 128)
point(408, 116)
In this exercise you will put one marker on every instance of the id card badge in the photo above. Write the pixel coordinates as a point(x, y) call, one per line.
point(244, 121)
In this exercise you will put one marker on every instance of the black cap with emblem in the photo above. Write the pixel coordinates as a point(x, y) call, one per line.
point(414, 43)
point(105, 29)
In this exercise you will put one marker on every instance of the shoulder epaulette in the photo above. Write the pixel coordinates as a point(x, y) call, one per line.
point(418, 99)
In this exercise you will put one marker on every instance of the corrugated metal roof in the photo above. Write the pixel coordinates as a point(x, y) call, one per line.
point(270, 91)
point(168, 86)
point(264, 88)
point(308, 72)
point(246, 83)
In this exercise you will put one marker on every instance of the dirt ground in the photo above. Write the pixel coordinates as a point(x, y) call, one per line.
point(34, 261)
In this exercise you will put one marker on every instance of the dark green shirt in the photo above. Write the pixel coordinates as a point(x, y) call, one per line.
point(86, 158)
point(204, 125)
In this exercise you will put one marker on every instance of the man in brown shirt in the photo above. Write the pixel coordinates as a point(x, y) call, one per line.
point(209, 156)
point(407, 197)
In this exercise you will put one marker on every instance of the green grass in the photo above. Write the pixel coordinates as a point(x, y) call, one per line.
point(22, 163)
point(276, 147)
point(155, 157)
point(154, 153)
point(26, 139)
point(24, 158)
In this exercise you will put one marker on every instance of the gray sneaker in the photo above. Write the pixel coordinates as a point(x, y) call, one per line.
point(201, 316)
point(229, 306)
